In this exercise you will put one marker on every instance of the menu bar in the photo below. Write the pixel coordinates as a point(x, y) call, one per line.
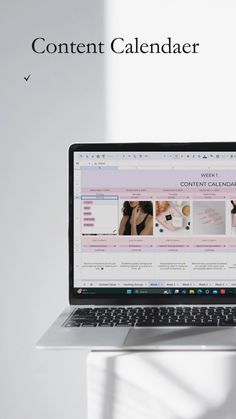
point(154, 155)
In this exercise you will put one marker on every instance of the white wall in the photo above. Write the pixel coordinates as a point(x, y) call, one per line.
point(173, 97)
point(62, 102)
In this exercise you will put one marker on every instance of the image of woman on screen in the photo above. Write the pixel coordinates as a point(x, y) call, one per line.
point(137, 219)
point(233, 218)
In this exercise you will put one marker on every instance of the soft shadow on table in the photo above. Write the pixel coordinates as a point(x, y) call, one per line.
point(133, 390)
point(207, 404)
point(223, 410)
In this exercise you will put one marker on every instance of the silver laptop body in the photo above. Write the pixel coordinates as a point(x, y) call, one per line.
point(151, 225)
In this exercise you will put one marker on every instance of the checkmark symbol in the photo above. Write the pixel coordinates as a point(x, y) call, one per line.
point(27, 78)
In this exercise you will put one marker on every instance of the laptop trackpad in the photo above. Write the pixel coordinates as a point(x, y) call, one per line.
point(182, 338)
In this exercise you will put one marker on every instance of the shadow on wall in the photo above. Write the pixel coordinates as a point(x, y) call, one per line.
point(63, 101)
point(88, 73)
point(164, 385)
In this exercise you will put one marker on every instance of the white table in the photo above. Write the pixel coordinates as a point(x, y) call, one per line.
point(161, 385)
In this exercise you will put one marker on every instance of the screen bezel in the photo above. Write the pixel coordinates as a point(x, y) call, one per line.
point(112, 299)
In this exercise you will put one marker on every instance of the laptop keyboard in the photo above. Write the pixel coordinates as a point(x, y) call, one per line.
point(152, 316)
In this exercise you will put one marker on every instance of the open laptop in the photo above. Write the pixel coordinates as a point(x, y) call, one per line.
point(152, 240)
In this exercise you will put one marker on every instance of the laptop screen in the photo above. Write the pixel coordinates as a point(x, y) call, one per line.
point(154, 223)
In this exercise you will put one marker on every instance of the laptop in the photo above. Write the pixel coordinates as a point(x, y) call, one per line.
point(152, 240)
